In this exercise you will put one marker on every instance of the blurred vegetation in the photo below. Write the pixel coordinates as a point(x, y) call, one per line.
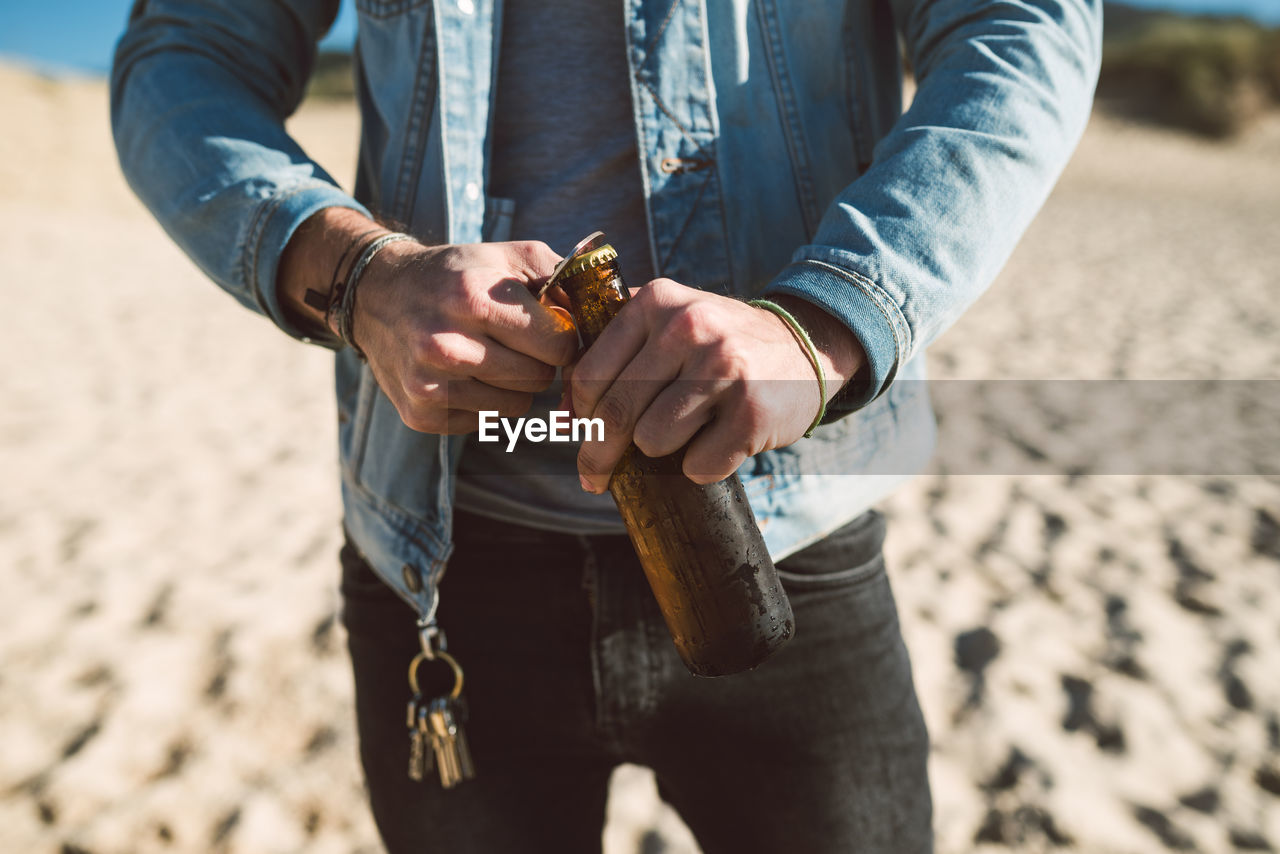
point(332, 77)
point(1207, 75)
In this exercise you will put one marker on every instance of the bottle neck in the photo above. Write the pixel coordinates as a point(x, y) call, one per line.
point(596, 295)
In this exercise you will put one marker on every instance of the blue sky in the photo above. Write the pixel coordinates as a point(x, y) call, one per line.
point(79, 34)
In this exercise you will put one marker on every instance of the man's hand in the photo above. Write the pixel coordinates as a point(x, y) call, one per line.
point(448, 330)
point(679, 364)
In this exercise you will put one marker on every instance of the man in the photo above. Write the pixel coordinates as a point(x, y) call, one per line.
point(731, 149)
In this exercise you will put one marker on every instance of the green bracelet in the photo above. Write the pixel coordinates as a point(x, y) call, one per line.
point(809, 349)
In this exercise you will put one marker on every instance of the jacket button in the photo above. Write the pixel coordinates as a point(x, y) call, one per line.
point(412, 578)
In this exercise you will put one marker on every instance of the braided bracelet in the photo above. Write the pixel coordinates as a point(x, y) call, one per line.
point(344, 303)
point(812, 352)
point(324, 301)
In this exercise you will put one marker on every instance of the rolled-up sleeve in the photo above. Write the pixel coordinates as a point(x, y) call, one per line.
point(1004, 91)
point(200, 90)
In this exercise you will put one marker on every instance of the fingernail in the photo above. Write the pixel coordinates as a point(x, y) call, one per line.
point(586, 484)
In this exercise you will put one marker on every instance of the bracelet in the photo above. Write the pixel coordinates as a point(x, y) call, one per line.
point(343, 302)
point(325, 301)
point(812, 352)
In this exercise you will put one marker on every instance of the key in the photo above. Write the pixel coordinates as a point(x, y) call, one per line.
point(458, 706)
point(438, 724)
point(419, 737)
point(449, 742)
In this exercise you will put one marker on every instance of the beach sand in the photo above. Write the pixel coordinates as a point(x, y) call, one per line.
point(1091, 651)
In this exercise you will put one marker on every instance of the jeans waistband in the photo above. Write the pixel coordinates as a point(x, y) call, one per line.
point(472, 528)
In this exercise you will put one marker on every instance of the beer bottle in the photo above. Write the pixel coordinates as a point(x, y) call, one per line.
point(700, 546)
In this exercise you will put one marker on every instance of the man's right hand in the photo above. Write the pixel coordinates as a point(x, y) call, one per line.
point(448, 330)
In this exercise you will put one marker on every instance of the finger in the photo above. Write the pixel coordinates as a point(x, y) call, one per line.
point(534, 260)
point(441, 421)
point(423, 405)
point(596, 369)
point(620, 408)
point(717, 451)
point(472, 395)
point(556, 297)
point(563, 313)
point(494, 364)
point(458, 421)
point(515, 318)
point(674, 417)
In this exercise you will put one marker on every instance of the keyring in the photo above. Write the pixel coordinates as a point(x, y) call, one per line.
point(447, 659)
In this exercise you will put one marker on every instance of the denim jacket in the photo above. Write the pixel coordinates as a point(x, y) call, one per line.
point(775, 158)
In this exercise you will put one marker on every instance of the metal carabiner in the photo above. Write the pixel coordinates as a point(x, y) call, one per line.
point(431, 636)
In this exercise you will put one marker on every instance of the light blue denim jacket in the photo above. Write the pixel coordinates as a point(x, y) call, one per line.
point(774, 157)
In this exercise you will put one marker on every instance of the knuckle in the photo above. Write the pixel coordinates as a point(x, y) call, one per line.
point(695, 323)
point(470, 299)
point(689, 322)
point(581, 390)
point(727, 360)
point(651, 440)
point(646, 298)
point(668, 293)
point(438, 351)
point(662, 288)
point(419, 344)
point(706, 468)
point(423, 392)
point(441, 351)
point(428, 393)
point(450, 257)
point(421, 420)
point(615, 414)
point(537, 250)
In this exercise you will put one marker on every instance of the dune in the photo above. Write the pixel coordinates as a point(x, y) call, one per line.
point(1092, 652)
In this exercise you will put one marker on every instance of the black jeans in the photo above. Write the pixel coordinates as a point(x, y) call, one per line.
point(570, 671)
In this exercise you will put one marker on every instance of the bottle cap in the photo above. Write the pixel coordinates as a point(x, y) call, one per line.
point(589, 260)
point(586, 246)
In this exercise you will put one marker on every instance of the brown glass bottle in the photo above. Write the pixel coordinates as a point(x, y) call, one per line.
point(700, 546)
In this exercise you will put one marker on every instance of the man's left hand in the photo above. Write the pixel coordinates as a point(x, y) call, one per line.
point(679, 364)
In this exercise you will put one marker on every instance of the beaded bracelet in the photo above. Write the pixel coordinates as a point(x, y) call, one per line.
point(344, 303)
point(809, 349)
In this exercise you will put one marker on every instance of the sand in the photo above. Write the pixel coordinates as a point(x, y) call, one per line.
point(1092, 652)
